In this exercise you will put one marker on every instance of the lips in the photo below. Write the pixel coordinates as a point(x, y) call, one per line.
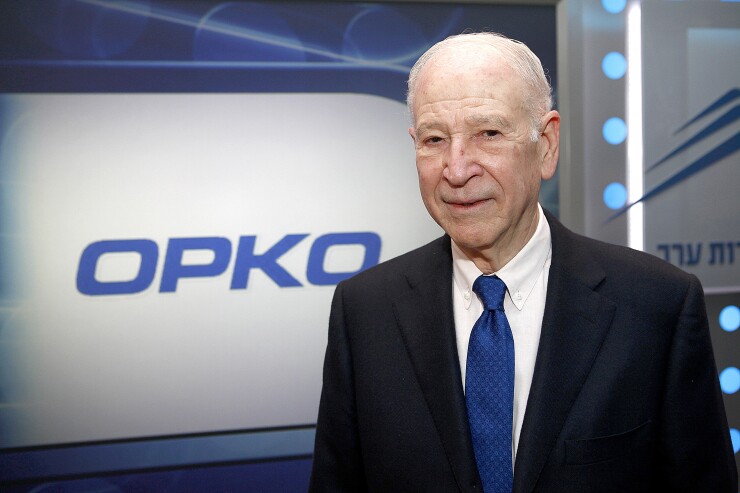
point(466, 204)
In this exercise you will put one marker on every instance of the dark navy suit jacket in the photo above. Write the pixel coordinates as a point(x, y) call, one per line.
point(625, 394)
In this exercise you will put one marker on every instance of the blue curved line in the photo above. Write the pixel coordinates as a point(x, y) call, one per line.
point(720, 152)
point(727, 98)
point(418, 51)
point(206, 64)
point(443, 33)
point(142, 10)
point(715, 126)
point(236, 32)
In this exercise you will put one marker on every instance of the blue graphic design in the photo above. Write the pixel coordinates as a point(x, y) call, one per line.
point(109, 46)
point(723, 121)
point(726, 148)
point(170, 452)
point(334, 46)
point(724, 100)
point(286, 475)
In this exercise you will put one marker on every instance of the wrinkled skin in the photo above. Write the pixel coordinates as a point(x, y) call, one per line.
point(479, 169)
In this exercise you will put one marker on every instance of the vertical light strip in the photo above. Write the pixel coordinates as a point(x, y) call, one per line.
point(635, 186)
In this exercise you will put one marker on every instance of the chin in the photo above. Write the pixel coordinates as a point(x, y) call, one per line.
point(471, 240)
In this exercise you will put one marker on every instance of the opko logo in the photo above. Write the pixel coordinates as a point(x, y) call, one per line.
point(246, 260)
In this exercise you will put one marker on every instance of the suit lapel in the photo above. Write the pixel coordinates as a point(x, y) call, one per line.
point(426, 321)
point(575, 323)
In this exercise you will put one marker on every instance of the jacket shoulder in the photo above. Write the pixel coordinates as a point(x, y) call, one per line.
point(411, 263)
point(635, 277)
point(618, 259)
point(574, 249)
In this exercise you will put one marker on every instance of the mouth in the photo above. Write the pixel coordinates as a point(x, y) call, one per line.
point(466, 205)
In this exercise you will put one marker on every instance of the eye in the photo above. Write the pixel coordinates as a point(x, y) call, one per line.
point(433, 140)
point(490, 133)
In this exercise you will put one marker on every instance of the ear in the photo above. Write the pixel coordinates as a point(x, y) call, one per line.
point(549, 144)
point(412, 133)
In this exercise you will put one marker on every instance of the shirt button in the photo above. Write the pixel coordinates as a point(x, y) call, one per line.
point(518, 296)
point(466, 295)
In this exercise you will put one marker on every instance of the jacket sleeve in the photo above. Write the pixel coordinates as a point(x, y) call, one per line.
point(695, 450)
point(337, 465)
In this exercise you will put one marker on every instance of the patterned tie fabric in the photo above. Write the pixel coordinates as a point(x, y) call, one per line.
point(489, 387)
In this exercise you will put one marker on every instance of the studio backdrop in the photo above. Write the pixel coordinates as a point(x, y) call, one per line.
point(182, 185)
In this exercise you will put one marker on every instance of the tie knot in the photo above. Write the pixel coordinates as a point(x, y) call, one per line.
point(491, 291)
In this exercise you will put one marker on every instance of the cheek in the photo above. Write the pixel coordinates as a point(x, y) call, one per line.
point(429, 176)
point(524, 174)
point(519, 185)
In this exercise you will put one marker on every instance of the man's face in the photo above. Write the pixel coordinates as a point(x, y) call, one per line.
point(479, 171)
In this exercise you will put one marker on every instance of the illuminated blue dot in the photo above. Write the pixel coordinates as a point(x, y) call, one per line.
point(614, 130)
point(614, 6)
point(729, 318)
point(614, 65)
point(735, 437)
point(729, 380)
point(615, 195)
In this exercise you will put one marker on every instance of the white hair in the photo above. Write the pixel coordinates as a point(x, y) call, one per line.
point(538, 95)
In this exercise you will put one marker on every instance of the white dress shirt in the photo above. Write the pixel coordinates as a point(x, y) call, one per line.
point(525, 277)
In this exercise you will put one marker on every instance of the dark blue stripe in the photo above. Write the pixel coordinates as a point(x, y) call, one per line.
point(714, 127)
point(723, 150)
point(104, 458)
point(727, 98)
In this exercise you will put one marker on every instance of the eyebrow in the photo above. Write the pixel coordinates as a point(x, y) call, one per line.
point(425, 127)
point(487, 120)
point(495, 121)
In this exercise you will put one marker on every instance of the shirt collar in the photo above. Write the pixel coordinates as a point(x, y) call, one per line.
point(520, 274)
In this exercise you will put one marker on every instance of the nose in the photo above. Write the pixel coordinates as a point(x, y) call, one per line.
point(460, 163)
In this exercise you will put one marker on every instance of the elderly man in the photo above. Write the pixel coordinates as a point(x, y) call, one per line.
point(512, 354)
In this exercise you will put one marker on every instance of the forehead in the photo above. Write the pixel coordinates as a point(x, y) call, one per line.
point(465, 73)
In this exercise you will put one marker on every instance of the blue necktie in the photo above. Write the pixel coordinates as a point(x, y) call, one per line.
point(489, 387)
